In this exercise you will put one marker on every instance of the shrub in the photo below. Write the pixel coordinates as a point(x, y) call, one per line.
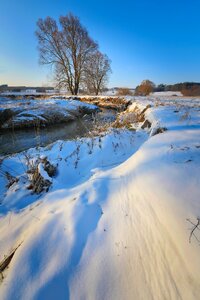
point(124, 92)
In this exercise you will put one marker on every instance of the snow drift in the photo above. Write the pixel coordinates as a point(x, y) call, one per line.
point(117, 220)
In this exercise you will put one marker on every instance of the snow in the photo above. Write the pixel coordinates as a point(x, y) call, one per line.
point(28, 112)
point(28, 92)
point(43, 103)
point(114, 222)
point(43, 173)
point(168, 94)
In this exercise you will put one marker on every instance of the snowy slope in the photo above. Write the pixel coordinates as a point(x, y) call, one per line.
point(114, 223)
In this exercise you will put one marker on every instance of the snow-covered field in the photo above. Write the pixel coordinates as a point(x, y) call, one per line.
point(167, 94)
point(116, 222)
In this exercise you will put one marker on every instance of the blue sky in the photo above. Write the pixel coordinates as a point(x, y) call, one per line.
point(156, 40)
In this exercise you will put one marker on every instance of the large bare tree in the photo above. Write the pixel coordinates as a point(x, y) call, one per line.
point(67, 47)
point(96, 72)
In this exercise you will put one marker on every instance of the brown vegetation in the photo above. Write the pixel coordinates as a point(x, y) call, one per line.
point(124, 92)
point(145, 88)
point(193, 91)
point(39, 184)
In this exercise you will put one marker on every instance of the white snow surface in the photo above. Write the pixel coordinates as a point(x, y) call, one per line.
point(168, 93)
point(36, 104)
point(114, 224)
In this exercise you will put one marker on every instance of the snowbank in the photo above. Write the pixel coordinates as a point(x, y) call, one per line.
point(31, 113)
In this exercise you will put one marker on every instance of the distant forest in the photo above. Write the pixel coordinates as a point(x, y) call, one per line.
point(186, 88)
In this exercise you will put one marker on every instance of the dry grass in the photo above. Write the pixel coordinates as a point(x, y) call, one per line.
point(124, 92)
point(39, 184)
point(6, 261)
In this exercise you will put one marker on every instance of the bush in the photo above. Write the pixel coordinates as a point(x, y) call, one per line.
point(124, 92)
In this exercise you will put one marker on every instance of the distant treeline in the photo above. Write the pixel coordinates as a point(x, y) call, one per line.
point(186, 88)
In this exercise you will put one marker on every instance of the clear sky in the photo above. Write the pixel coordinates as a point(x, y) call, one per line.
point(145, 39)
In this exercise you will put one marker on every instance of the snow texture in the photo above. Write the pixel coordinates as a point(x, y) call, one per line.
point(114, 224)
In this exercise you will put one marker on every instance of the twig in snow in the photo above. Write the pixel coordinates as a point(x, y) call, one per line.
point(6, 261)
point(193, 229)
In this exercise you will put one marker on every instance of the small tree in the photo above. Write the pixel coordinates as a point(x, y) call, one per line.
point(96, 72)
point(145, 88)
point(67, 49)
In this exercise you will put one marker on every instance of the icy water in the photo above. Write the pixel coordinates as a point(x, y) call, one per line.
point(16, 141)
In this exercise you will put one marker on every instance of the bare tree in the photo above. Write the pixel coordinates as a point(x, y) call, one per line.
point(96, 72)
point(67, 49)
